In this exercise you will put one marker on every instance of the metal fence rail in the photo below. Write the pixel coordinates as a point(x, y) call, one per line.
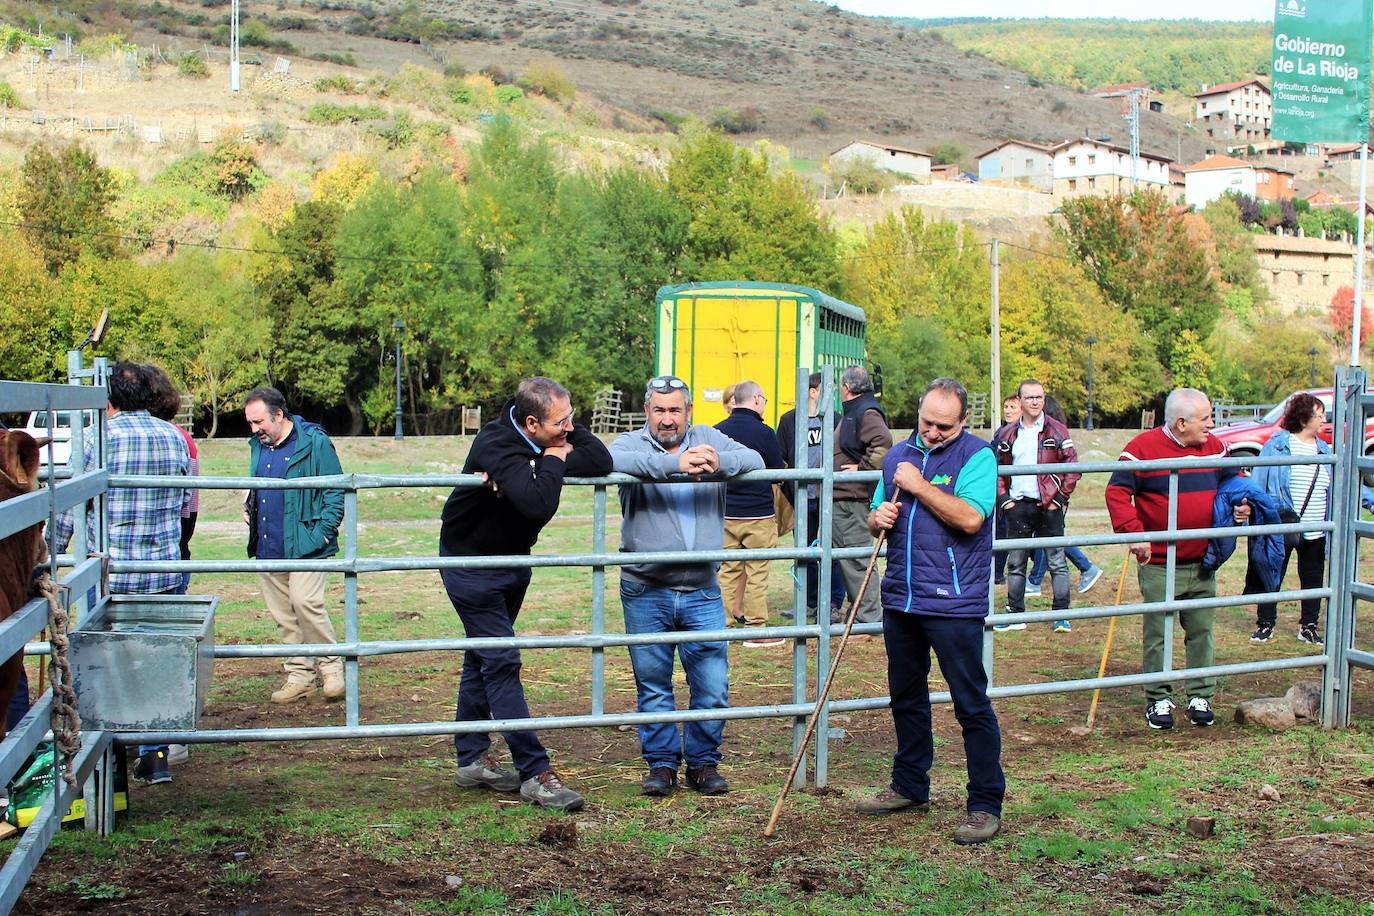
point(1336, 662)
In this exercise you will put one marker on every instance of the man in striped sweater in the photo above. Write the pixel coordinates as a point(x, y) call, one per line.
point(1138, 501)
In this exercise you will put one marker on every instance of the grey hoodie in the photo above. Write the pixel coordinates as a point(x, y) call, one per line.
point(653, 513)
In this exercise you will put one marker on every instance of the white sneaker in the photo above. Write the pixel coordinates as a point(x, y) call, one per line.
point(1033, 591)
point(177, 754)
point(1005, 627)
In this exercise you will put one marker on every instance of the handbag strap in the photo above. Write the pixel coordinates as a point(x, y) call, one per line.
point(1316, 469)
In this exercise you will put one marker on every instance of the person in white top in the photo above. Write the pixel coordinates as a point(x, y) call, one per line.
point(1302, 491)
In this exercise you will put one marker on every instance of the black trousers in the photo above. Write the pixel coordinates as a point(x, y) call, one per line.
point(1311, 573)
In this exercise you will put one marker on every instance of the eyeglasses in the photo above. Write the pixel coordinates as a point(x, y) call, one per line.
point(565, 423)
point(1032, 397)
point(667, 383)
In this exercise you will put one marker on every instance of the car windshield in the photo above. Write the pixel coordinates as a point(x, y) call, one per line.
point(40, 420)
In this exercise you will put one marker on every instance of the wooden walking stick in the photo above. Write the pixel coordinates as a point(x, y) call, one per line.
point(825, 689)
point(1107, 646)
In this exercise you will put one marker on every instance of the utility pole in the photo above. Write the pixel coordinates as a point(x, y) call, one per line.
point(995, 407)
point(1134, 118)
point(234, 47)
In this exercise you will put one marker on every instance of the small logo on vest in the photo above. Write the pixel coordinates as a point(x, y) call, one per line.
point(942, 592)
point(942, 480)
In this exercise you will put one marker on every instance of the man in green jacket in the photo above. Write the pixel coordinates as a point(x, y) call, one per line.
point(294, 525)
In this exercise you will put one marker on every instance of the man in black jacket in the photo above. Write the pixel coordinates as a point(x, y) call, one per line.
point(523, 454)
point(749, 514)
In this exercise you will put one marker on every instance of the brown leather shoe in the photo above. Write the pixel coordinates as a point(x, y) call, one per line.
point(890, 801)
point(978, 827)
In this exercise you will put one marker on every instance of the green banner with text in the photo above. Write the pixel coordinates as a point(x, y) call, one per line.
point(1321, 71)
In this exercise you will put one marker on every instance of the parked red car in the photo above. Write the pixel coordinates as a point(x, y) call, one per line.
point(1248, 437)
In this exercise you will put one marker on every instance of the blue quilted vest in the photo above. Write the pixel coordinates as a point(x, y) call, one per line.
point(931, 568)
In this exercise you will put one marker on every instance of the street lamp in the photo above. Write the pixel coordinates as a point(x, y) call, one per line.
point(1313, 353)
point(1090, 341)
point(398, 326)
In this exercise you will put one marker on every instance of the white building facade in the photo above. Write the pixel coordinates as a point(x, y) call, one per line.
point(1095, 167)
point(1235, 111)
point(912, 163)
point(1018, 163)
point(1207, 180)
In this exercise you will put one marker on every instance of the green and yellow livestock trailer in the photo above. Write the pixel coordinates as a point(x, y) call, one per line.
point(712, 335)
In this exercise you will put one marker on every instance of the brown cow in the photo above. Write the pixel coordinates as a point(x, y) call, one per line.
point(20, 552)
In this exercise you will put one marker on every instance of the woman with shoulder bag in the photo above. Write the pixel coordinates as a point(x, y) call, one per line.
point(1302, 492)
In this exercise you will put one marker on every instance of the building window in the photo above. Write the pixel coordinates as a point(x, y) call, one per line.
point(1029, 164)
point(1326, 279)
point(1276, 275)
point(1298, 275)
point(1092, 160)
point(1204, 106)
point(1092, 182)
point(1073, 184)
point(1073, 161)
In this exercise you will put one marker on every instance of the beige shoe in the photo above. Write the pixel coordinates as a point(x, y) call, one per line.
point(294, 691)
point(334, 685)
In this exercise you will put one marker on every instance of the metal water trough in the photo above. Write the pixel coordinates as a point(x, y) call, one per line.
point(144, 662)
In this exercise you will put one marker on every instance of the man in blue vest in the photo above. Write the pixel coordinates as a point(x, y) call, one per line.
point(936, 501)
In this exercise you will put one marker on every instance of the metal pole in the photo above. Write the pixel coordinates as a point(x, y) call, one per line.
point(996, 404)
point(234, 47)
point(599, 600)
point(1345, 543)
point(1359, 257)
point(398, 326)
point(352, 688)
point(825, 537)
point(1313, 354)
point(1091, 341)
point(800, 527)
point(1170, 574)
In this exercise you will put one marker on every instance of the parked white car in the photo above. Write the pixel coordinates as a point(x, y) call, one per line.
point(61, 447)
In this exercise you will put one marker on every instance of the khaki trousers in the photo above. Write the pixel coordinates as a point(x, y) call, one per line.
point(744, 583)
point(296, 602)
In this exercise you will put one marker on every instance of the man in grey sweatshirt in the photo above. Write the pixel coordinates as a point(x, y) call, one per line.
point(669, 597)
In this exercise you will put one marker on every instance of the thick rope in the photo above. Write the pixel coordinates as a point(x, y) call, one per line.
point(65, 722)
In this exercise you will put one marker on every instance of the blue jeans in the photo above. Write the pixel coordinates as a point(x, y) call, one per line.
point(1038, 565)
point(958, 644)
point(813, 568)
point(487, 602)
point(650, 609)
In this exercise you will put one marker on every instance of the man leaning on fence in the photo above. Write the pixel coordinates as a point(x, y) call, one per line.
point(523, 455)
point(294, 525)
point(1138, 501)
point(936, 501)
point(683, 596)
point(144, 522)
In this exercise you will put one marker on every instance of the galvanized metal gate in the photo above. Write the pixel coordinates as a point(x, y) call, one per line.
point(1337, 661)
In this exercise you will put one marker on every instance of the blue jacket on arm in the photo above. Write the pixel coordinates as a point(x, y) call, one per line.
point(1266, 550)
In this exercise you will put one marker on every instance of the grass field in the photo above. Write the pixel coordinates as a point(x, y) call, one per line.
point(1093, 824)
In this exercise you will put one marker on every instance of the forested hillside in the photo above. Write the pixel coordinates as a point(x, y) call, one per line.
point(1085, 53)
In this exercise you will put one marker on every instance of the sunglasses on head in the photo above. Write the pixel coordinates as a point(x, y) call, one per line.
point(667, 383)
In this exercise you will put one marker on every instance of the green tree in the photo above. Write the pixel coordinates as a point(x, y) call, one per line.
point(1049, 309)
point(1139, 251)
point(1190, 362)
point(220, 339)
point(315, 335)
point(33, 346)
point(64, 201)
point(747, 223)
point(912, 267)
point(1233, 251)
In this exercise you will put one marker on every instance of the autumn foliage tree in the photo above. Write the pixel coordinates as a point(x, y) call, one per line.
point(1342, 312)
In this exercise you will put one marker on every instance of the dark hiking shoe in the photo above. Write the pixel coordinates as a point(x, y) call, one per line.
point(548, 791)
point(1308, 633)
point(978, 827)
point(660, 782)
point(152, 768)
point(890, 801)
point(1263, 633)
point(1160, 713)
point(707, 780)
point(1200, 712)
point(487, 771)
